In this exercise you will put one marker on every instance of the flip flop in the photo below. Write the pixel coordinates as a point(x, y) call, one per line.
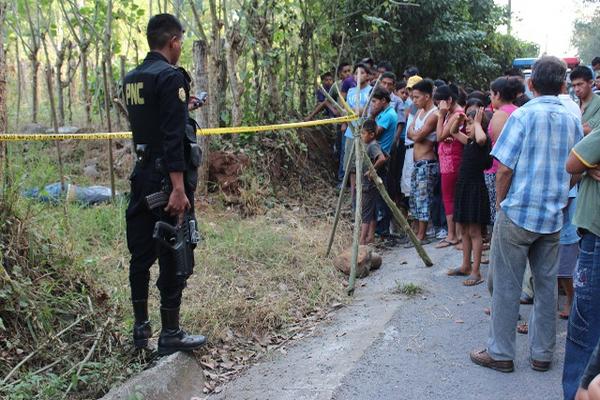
point(423, 242)
point(445, 243)
point(472, 282)
point(457, 272)
point(484, 261)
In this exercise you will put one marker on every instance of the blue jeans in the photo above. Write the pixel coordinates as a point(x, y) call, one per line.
point(583, 331)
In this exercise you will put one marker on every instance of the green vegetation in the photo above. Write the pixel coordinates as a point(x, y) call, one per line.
point(66, 268)
point(408, 289)
point(586, 37)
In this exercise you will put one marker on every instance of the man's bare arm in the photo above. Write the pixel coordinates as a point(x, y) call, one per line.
point(503, 181)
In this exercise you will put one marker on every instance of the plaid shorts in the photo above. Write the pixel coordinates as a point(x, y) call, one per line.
point(424, 177)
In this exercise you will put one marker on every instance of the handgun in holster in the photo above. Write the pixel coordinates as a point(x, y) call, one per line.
point(181, 240)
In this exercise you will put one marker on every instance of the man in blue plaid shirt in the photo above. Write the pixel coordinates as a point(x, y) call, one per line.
point(532, 188)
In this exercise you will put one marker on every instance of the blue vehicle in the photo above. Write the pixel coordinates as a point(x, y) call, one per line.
point(525, 64)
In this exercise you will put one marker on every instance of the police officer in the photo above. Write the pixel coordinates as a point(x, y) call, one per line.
point(157, 95)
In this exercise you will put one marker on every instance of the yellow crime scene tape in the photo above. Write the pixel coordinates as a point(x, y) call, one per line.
point(20, 137)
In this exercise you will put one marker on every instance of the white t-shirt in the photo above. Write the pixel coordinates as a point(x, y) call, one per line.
point(568, 102)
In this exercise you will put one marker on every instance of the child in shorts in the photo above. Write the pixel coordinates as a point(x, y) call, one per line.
point(370, 194)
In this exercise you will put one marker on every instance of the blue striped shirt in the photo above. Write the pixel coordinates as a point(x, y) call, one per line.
point(535, 144)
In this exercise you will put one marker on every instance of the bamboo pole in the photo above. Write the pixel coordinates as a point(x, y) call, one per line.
point(357, 213)
point(358, 189)
point(400, 219)
point(338, 208)
point(395, 211)
point(344, 111)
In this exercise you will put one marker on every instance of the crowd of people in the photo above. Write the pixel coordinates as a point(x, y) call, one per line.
point(513, 168)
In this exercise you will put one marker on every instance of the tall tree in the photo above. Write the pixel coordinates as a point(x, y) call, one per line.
point(3, 97)
point(30, 37)
point(79, 25)
point(586, 36)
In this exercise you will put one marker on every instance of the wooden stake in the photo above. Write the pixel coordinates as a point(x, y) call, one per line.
point(358, 189)
point(400, 219)
point(339, 205)
point(396, 212)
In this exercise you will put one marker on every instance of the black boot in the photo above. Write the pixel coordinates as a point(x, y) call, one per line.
point(141, 328)
point(172, 337)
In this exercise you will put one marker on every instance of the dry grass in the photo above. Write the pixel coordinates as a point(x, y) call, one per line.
point(255, 275)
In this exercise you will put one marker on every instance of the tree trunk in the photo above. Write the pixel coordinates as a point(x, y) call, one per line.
point(305, 35)
point(286, 72)
point(70, 85)
point(19, 83)
point(35, 64)
point(85, 91)
point(3, 120)
point(60, 59)
point(202, 114)
point(233, 44)
point(257, 81)
point(108, 58)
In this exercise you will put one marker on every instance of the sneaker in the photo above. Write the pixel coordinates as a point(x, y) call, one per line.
point(441, 234)
point(430, 232)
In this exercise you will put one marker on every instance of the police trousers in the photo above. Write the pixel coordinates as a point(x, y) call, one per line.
point(143, 248)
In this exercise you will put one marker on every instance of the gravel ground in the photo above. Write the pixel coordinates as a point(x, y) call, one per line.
point(389, 346)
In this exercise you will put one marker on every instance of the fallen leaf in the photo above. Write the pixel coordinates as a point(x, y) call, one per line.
point(211, 364)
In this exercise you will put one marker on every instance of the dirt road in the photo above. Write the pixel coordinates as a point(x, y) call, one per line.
point(388, 346)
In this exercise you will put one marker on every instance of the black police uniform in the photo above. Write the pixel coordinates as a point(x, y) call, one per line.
point(156, 95)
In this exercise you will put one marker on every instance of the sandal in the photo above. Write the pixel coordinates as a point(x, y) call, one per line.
point(484, 261)
point(410, 244)
point(473, 280)
point(445, 243)
point(457, 272)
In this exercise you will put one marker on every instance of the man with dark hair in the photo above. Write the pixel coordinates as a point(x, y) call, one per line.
point(388, 82)
point(582, 81)
point(157, 95)
point(344, 71)
point(532, 188)
point(397, 150)
point(386, 119)
point(384, 66)
point(516, 72)
point(596, 65)
point(426, 168)
point(322, 101)
point(411, 71)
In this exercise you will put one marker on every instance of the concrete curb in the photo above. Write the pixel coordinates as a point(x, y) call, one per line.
point(176, 377)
